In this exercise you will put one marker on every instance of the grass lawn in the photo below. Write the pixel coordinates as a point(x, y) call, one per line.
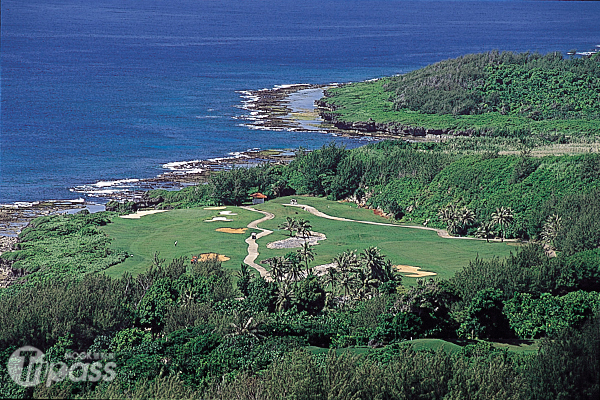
point(352, 350)
point(517, 346)
point(433, 344)
point(158, 232)
point(405, 246)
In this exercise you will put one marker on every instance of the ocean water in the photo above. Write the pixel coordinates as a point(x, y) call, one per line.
point(110, 89)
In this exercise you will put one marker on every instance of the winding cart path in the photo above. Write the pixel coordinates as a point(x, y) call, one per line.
point(253, 246)
point(441, 232)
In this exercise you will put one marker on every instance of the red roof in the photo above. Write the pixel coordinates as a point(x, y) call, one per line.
point(258, 196)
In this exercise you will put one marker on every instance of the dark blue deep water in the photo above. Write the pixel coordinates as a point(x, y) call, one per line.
point(113, 89)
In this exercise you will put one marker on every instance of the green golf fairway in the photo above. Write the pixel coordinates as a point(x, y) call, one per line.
point(414, 247)
point(405, 246)
point(158, 232)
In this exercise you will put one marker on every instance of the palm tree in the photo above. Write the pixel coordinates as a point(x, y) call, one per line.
point(373, 262)
point(285, 297)
point(346, 282)
point(306, 254)
point(303, 227)
point(485, 231)
point(346, 261)
point(503, 216)
point(277, 265)
point(551, 228)
point(331, 279)
point(449, 216)
point(464, 218)
point(294, 273)
point(391, 274)
point(290, 224)
point(245, 326)
point(365, 285)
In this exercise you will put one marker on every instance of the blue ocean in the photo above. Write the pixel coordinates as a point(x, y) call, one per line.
point(113, 89)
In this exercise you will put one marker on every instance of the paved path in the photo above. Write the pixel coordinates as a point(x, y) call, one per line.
point(441, 232)
point(253, 246)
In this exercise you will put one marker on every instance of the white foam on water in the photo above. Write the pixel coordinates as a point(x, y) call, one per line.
point(178, 164)
point(115, 183)
point(291, 85)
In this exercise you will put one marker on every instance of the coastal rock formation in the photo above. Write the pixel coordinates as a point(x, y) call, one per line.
point(370, 127)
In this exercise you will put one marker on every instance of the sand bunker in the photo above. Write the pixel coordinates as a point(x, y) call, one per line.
point(231, 230)
point(295, 242)
point(140, 214)
point(218, 219)
point(227, 213)
point(215, 208)
point(413, 271)
point(208, 256)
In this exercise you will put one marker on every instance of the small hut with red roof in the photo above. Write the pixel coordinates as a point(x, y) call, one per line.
point(258, 198)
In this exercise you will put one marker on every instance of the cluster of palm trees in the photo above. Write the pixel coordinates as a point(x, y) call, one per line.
point(290, 267)
point(360, 276)
point(459, 220)
point(352, 276)
point(302, 227)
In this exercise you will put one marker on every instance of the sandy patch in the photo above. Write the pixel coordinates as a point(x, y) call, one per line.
point(321, 270)
point(208, 256)
point(215, 208)
point(413, 271)
point(295, 242)
point(140, 214)
point(231, 230)
point(217, 219)
point(227, 213)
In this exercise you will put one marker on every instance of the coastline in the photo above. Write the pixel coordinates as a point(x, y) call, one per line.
point(179, 174)
point(16, 216)
point(274, 109)
point(291, 107)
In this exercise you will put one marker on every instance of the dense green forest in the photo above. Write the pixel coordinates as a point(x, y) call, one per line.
point(183, 330)
point(492, 94)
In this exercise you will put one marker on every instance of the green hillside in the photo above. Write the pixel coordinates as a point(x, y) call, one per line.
point(498, 94)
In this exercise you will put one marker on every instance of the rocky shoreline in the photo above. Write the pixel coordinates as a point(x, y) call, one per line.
point(15, 217)
point(270, 110)
point(180, 175)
